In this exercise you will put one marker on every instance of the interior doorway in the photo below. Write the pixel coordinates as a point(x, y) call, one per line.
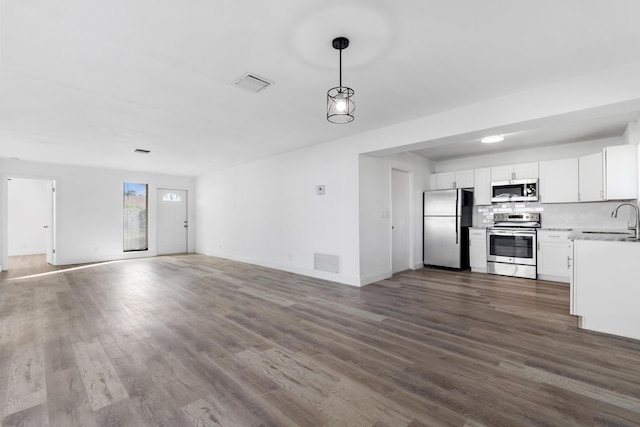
point(31, 221)
point(400, 220)
point(173, 225)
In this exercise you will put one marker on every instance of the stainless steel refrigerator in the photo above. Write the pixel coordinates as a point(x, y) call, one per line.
point(447, 217)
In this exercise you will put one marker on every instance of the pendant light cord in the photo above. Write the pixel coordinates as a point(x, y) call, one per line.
point(340, 67)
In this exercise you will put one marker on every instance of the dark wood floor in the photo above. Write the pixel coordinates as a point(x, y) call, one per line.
point(195, 340)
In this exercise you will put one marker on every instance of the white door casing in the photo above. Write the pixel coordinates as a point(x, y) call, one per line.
point(49, 227)
point(400, 221)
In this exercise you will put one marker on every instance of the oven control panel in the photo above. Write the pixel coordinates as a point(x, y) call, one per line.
point(521, 219)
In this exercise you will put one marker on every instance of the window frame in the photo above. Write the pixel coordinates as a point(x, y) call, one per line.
point(124, 217)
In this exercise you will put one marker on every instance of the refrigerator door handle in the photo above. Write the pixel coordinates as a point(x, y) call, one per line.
point(458, 212)
point(457, 229)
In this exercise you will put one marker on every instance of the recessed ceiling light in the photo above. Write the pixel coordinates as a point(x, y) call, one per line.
point(491, 139)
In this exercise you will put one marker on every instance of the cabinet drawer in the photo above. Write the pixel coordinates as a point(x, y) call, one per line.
point(552, 236)
point(478, 233)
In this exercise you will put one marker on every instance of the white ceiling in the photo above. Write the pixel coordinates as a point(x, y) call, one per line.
point(86, 82)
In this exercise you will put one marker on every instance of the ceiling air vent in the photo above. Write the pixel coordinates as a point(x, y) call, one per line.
point(141, 151)
point(252, 83)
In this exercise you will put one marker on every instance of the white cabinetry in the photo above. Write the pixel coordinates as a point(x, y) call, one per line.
point(446, 180)
point(621, 172)
point(591, 178)
point(482, 186)
point(478, 249)
point(572, 283)
point(442, 180)
point(554, 255)
point(559, 181)
point(519, 171)
point(605, 286)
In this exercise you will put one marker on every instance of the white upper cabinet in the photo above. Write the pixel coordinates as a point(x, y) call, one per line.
point(559, 181)
point(464, 179)
point(621, 172)
point(591, 178)
point(446, 180)
point(510, 172)
point(442, 180)
point(482, 186)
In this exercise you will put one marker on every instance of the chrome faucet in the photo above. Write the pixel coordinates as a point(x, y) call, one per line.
point(636, 228)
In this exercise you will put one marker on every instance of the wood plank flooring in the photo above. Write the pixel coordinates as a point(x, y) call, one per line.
point(192, 340)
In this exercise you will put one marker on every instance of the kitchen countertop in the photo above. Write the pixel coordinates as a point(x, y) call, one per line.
point(603, 235)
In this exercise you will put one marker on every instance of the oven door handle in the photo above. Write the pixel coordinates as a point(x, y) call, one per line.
point(512, 233)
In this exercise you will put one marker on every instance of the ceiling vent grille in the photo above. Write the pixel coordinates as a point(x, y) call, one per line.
point(252, 83)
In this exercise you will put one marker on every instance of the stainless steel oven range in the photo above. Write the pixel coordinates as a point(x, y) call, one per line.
point(511, 244)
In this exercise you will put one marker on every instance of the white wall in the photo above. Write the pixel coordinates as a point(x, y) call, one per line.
point(375, 206)
point(89, 211)
point(29, 212)
point(267, 212)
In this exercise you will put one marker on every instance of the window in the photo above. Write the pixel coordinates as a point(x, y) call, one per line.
point(171, 197)
point(135, 217)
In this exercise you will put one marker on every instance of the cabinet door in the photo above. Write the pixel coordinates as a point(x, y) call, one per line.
point(572, 283)
point(464, 179)
point(554, 255)
point(478, 249)
point(621, 172)
point(591, 179)
point(502, 173)
point(482, 186)
point(442, 180)
point(559, 181)
point(525, 171)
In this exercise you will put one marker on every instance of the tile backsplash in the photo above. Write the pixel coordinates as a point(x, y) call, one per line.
point(595, 215)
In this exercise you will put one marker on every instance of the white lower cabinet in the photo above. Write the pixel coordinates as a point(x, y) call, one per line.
point(606, 291)
point(554, 255)
point(478, 249)
point(572, 283)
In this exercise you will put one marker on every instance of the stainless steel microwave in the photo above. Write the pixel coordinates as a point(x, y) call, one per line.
point(517, 190)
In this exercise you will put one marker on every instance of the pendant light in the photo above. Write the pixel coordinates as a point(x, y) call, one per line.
point(340, 102)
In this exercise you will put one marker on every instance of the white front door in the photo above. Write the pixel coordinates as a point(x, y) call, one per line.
point(172, 221)
point(400, 221)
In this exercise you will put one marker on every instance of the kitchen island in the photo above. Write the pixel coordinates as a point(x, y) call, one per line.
point(605, 287)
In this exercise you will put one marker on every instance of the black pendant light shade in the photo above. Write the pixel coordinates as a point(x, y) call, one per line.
point(340, 100)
